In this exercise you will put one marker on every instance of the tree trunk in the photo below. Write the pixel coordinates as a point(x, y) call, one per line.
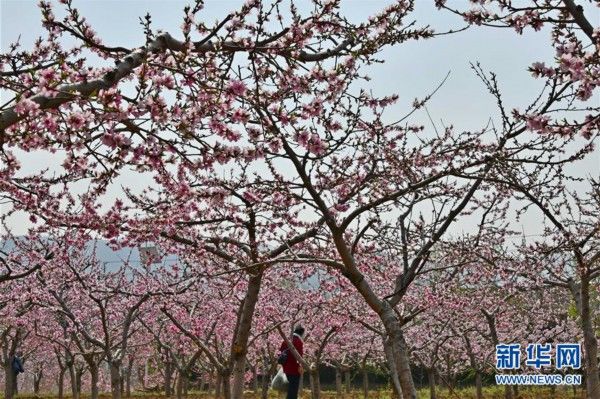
point(218, 385)
point(396, 387)
point(478, 385)
point(15, 389)
point(73, 381)
point(590, 343)
point(338, 381)
point(254, 380)
point(37, 380)
point(61, 383)
point(9, 380)
point(508, 393)
point(239, 348)
point(265, 382)
point(179, 386)
point(365, 382)
point(348, 379)
point(315, 383)
point(128, 381)
point(77, 385)
point(141, 375)
point(121, 384)
point(115, 379)
point(431, 381)
point(399, 353)
point(94, 377)
point(226, 386)
point(398, 356)
point(168, 377)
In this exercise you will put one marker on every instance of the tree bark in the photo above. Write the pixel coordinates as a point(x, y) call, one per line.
point(15, 389)
point(348, 381)
point(168, 377)
point(218, 386)
point(397, 354)
point(590, 343)
point(37, 380)
point(61, 383)
point(396, 387)
point(338, 381)
point(431, 381)
point(365, 382)
point(254, 380)
point(94, 379)
point(226, 386)
point(115, 379)
point(179, 386)
point(141, 374)
point(128, 381)
point(239, 348)
point(9, 380)
point(315, 383)
point(478, 385)
point(78, 377)
point(266, 381)
point(508, 393)
point(73, 378)
point(186, 385)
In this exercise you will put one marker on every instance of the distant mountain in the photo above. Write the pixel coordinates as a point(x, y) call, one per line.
point(106, 254)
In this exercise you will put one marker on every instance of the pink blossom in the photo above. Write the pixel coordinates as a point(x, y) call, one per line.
point(302, 138)
point(240, 116)
point(540, 69)
point(573, 65)
point(475, 16)
point(164, 80)
point(48, 74)
point(50, 123)
point(342, 207)
point(251, 197)
point(26, 106)
point(77, 120)
point(538, 123)
point(237, 87)
point(316, 145)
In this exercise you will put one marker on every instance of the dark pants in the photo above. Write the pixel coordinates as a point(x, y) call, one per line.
point(294, 384)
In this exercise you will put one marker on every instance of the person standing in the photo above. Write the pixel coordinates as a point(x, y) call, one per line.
point(16, 368)
point(292, 367)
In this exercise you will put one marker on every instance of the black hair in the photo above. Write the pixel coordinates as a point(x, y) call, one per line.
point(299, 330)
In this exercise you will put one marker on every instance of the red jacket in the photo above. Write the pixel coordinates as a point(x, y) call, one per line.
point(291, 365)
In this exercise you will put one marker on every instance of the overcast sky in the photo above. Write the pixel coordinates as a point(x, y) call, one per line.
point(411, 69)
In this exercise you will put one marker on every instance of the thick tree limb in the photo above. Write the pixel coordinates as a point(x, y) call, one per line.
point(577, 13)
point(160, 44)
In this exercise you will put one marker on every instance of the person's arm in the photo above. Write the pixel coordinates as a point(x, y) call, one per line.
point(299, 345)
point(301, 348)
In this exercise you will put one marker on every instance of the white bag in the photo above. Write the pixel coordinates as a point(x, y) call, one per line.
point(280, 381)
